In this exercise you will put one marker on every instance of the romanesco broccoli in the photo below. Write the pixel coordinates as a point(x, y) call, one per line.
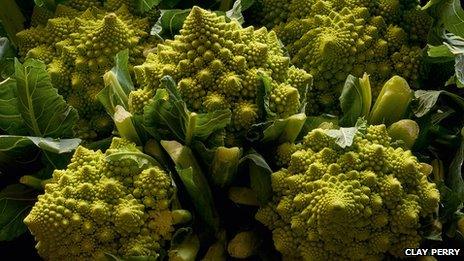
point(78, 48)
point(217, 65)
point(353, 203)
point(117, 202)
point(332, 39)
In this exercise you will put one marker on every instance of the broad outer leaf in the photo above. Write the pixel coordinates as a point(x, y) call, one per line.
point(15, 203)
point(57, 146)
point(426, 100)
point(10, 118)
point(452, 16)
point(452, 48)
point(44, 111)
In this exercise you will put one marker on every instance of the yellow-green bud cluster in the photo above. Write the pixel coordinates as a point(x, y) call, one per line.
point(332, 39)
point(79, 49)
point(355, 203)
point(104, 202)
point(218, 65)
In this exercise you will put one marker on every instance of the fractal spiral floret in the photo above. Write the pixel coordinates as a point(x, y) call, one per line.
point(115, 202)
point(78, 48)
point(355, 203)
point(219, 65)
point(332, 39)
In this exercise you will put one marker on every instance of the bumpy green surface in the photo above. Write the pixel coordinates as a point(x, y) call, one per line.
point(331, 39)
point(78, 48)
point(115, 202)
point(217, 65)
point(358, 203)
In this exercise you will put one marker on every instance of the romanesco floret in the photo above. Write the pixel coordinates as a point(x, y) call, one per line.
point(355, 203)
point(78, 50)
point(117, 202)
point(217, 65)
point(331, 39)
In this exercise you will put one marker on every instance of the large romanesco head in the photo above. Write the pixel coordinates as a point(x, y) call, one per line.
point(78, 48)
point(355, 203)
point(219, 65)
point(331, 39)
point(117, 202)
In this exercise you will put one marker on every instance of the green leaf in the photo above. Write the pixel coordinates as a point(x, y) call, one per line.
point(118, 84)
point(439, 51)
point(7, 54)
point(194, 181)
point(57, 146)
point(236, 12)
point(459, 70)
point(143, 160)
point(344, 136)
point(10, 118)
point(313, 122)
point(260, 175)
point(247, 4)
point(169, 4)
point(452, 48)
point(202, 201)
point(453, 192)
point(355, 100)
point(21, 150)
point(49, 4)
point(455, 180)
point(184, 245)
point(449, 13)
point(426, 100)
point(222, 162)
point(264, 92)
point(15, 202)
point(44, 111)
point(208, 123)
point(168, 112)
point(146, 5)
point(170, 22)
point(284, 130)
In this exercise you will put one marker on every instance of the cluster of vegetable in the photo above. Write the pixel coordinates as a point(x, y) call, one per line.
point(218, 130)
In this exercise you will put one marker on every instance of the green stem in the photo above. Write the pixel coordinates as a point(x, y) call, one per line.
point(32, 182)
point(192, 120)
point(125, 126)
